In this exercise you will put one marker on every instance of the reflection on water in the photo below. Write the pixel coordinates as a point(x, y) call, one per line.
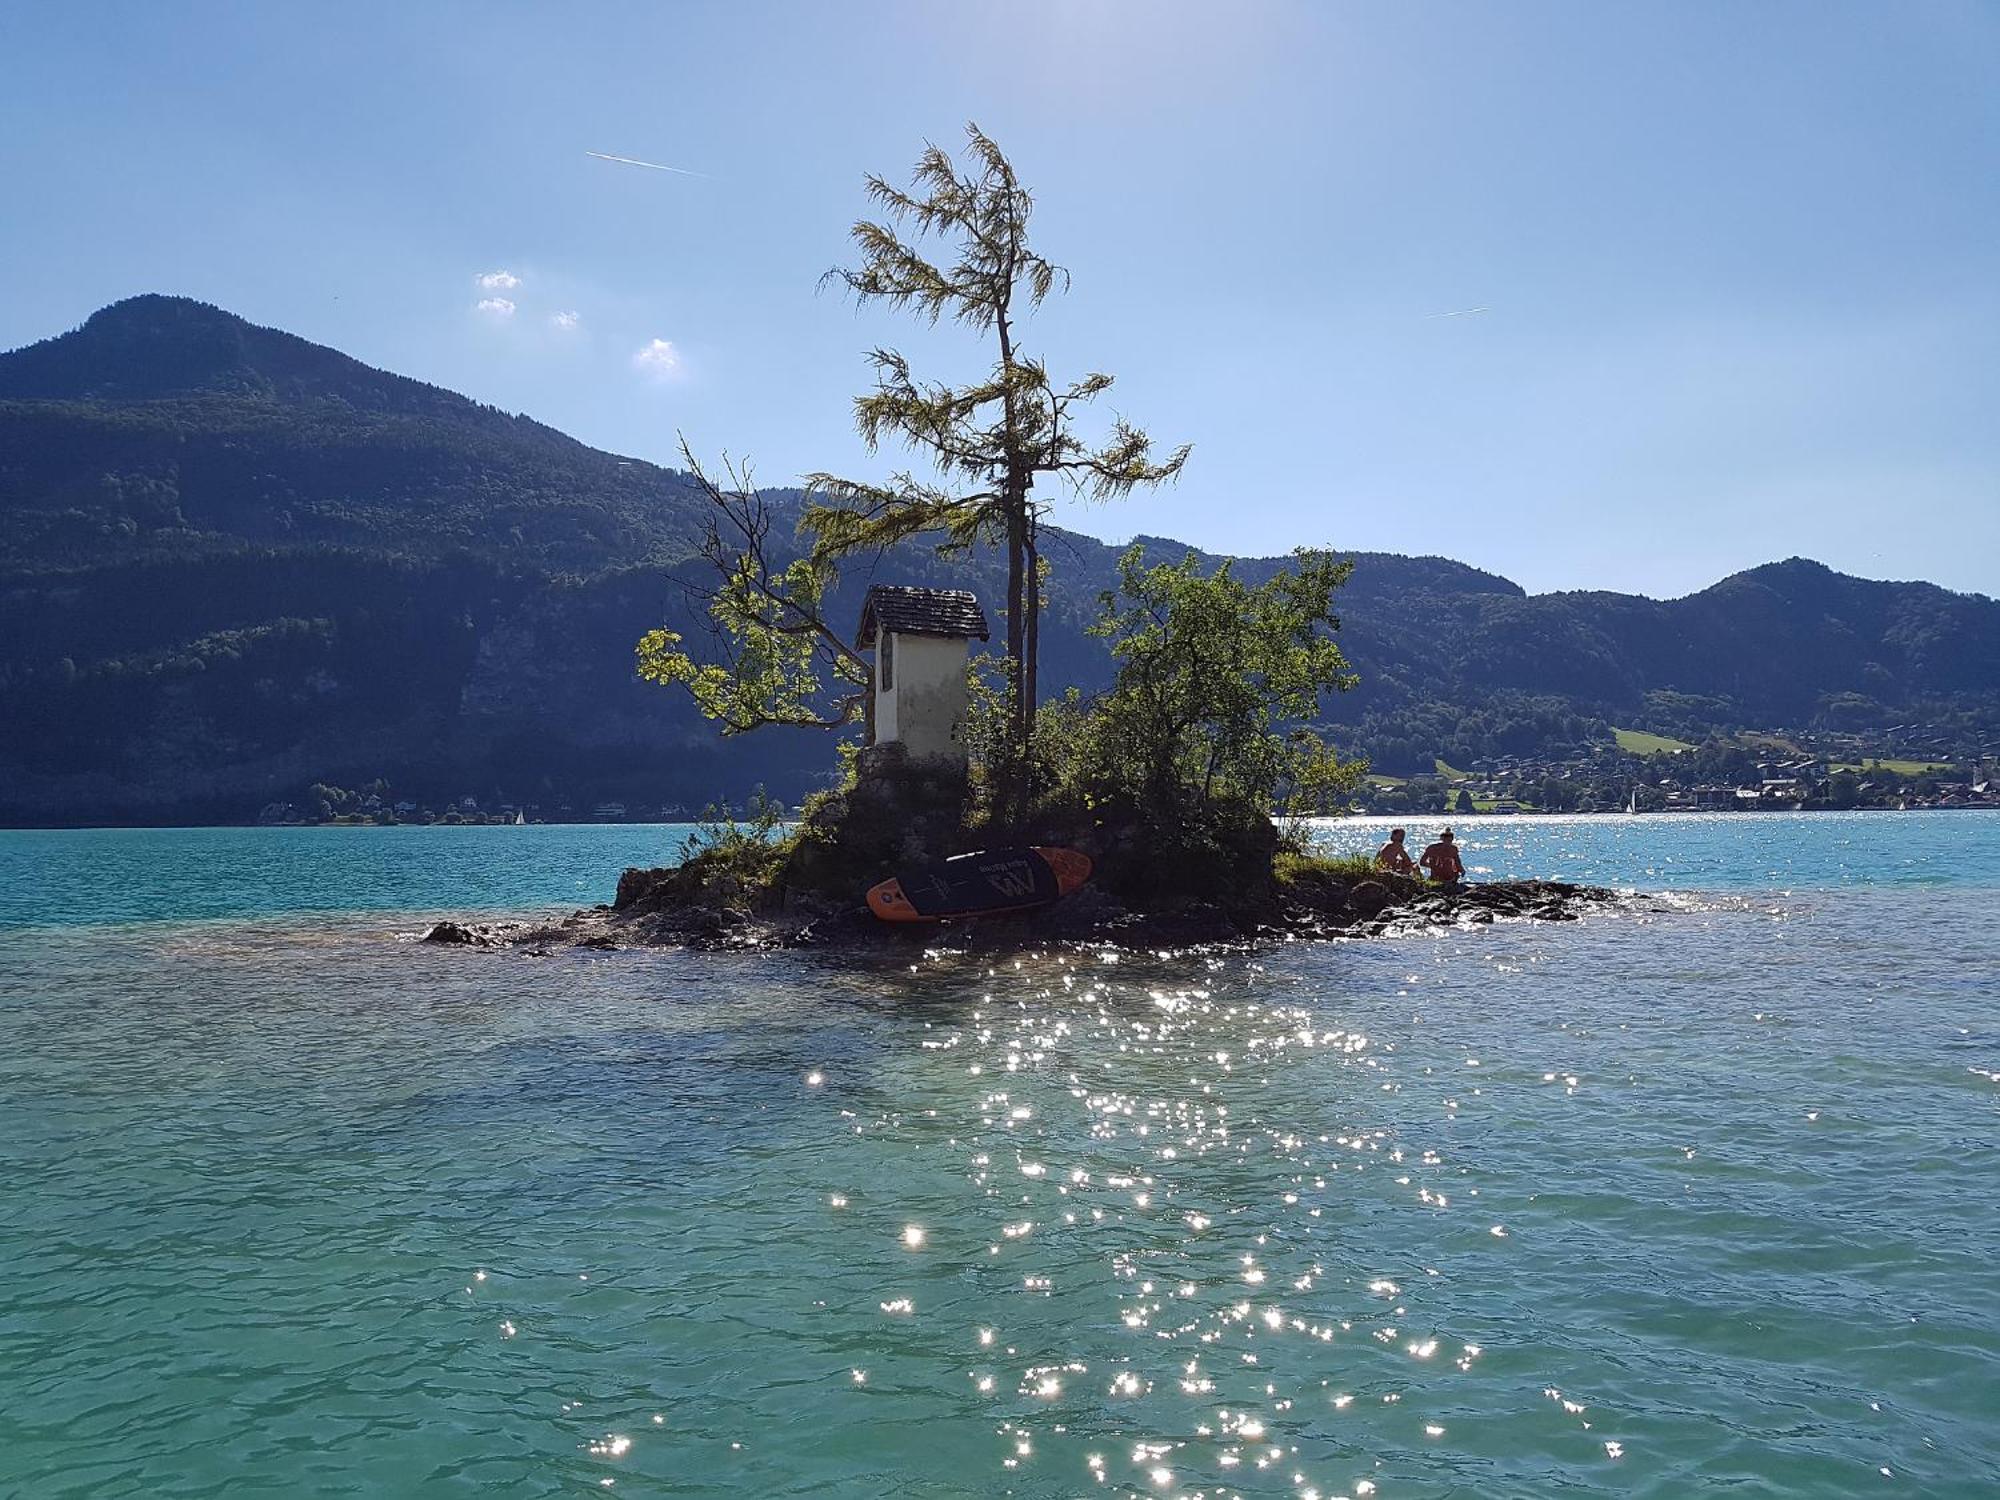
point(1697, 1196)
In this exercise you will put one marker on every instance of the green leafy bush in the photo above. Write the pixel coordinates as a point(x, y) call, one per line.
point(1173, 775)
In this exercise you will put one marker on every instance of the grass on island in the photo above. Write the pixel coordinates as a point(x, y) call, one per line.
point(1644, 742)
point(1900, 767)
point(1290, 866)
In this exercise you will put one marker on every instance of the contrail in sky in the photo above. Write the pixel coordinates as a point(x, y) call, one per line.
point(1463, 312)
point(633, 161)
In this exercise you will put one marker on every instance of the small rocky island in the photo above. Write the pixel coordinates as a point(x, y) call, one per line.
point(1228, 877)
point(657, 909)
point(1162, 785)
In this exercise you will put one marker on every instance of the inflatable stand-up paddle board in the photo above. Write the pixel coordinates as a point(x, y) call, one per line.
point(973, 885)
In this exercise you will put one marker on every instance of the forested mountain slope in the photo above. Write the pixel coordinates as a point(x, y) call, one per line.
point(233, 562)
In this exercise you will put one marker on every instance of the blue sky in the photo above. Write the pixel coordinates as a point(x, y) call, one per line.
point(1740, 263)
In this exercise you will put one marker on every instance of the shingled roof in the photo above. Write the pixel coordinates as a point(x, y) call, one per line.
point(913, 611)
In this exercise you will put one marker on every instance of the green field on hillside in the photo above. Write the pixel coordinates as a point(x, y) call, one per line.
point(1900, 767)
point(1641, 742)
point(1448, 772)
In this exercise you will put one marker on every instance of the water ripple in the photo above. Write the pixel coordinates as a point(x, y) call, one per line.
point(1629, 1206)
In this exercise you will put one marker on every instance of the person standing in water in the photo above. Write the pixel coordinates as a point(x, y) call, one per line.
point(1441, 861)
point(1393, 857)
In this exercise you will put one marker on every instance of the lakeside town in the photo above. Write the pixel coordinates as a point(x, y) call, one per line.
point(1645, 773)
point(1799, 771)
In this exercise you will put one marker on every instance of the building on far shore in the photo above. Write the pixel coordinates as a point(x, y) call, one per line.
point(921, 638)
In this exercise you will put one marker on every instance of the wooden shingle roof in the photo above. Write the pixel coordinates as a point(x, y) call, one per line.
point(914, 611)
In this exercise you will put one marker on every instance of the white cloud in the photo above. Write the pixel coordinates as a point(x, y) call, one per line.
point(496, 307)
point(565, 320)
point(497, 281)
point(658, 359)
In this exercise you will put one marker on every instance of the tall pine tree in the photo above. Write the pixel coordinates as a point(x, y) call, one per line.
point(985, 443)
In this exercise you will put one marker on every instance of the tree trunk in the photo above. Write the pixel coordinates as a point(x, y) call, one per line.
point(1011, 798)
point(1014, 489)
point(1031, 642)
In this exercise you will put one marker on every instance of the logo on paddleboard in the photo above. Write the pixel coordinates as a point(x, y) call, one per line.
point(1013, 878)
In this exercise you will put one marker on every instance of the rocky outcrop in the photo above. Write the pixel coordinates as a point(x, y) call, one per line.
point(658, 909)
point(1374, 907)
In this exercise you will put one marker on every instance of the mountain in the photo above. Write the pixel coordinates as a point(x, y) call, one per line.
point(233, 563)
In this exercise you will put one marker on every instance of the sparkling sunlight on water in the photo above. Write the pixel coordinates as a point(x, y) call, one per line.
point(1698, 1194)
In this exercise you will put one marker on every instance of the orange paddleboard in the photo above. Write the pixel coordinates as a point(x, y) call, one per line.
point(980, 884)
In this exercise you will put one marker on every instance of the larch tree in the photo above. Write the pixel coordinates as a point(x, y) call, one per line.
point(988, 442)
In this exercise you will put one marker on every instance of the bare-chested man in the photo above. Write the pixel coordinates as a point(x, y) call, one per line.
point(1441, 861)
point(1393, 857)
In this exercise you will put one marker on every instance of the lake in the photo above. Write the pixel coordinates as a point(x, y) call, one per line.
point(1700, 1192)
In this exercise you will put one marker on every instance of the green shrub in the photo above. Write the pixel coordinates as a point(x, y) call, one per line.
point(1171, 778)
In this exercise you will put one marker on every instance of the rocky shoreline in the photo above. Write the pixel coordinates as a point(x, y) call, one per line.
point(651, 910)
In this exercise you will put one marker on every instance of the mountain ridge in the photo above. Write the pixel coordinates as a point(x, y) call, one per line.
point(155, 345)
point(232, 561)
point(290, 369)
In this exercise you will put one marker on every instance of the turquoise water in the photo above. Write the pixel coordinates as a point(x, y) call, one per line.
point(1695, 1195)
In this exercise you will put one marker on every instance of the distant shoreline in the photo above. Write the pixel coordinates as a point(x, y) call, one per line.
point(1471, 818)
